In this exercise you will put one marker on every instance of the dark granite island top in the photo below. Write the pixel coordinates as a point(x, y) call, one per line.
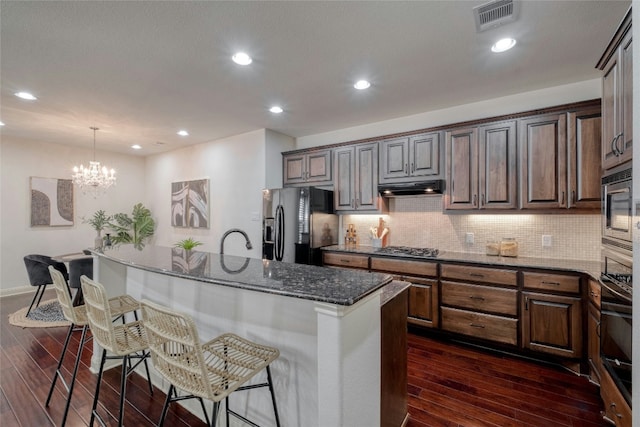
point(330, 285)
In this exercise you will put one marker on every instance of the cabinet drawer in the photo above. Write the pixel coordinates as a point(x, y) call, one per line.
point(552, 282)
point(486, 326)
point(398, 266)
point(483, 298)
point(615, 407)
point(480, 274)
point(345, 260)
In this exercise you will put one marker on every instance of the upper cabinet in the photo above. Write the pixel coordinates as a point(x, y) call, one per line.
point(617, 96)
point(411, 158)
point(356, 179)
point(482, 167)
point(584, 138)
point(543, 157)
point(307, 168)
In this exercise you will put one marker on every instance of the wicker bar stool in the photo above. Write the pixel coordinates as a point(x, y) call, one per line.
point(77, 315)
point(125, 342)
point(211, 370)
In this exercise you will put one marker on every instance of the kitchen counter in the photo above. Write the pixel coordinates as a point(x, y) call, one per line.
point(336, 286)
point(326, 322)
point(581, 266)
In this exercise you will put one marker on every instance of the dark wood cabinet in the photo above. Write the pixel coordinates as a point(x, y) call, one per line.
point(616, 409)
point(482, 167)
point(393, 362)
point(617, 97)
point(543, 161)
point(356, 179)
point(307, 168)
point(593, 332)
point(584, 135)
point(410, 158)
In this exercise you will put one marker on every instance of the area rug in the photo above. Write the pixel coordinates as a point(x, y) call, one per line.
point(47, 315)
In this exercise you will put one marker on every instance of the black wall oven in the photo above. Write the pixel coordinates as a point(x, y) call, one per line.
point(617, 206)
point(616, 316)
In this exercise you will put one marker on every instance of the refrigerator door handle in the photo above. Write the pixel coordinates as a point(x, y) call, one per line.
point(279, 233)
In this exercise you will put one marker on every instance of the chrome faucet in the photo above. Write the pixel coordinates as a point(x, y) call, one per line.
point(234, 230)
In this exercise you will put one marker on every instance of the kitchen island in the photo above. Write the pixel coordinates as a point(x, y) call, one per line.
point(326, 323)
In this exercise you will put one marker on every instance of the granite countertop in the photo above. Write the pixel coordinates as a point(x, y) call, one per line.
point(330, 285)
point(571, 265)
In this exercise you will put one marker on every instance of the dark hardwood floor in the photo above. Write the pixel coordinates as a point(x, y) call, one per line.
point(449, 385)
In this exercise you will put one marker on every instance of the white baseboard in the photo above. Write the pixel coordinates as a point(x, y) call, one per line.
point(17, 291)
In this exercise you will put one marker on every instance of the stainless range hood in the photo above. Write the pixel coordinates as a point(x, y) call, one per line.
point(422, 188)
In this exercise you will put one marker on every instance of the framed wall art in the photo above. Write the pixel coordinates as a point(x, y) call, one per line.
point(190, 204)
point(51, 202)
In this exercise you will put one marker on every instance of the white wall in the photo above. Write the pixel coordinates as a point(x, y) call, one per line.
point(21, 159)
point(235, 167)
point(574, 92)
point(276, 143)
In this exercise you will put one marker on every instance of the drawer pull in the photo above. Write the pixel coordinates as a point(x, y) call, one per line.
point(544, 282)
point(613, 408)
point(593, 294)
point(478, 298)
point(475, 325)
point(476, 275)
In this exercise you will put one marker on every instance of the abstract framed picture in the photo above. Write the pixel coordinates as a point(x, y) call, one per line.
point(190, 204)
point(51, 202)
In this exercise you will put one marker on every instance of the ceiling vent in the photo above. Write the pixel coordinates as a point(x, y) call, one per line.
point(495, 13)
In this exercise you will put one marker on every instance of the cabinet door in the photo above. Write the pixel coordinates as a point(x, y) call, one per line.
point(318, 165)
point(423, 301)
point(424, 155)
point(552, 324)
point(497, 166)
point(584, 134)
point(294, 170)
point(394, 159)
point(626, 98)
point(462, 169)
point(593, 346)
point(543, 159)
point(366, 168)
point(344, 183)
point(610, 112)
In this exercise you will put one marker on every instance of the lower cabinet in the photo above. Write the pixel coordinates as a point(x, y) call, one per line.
point(423, 301)
point(593, 332)
point(480, 325)
point(552, 324)
point(616, 409)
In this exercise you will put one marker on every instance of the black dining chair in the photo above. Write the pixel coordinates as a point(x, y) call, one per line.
point(77, 268)
point(38, 272)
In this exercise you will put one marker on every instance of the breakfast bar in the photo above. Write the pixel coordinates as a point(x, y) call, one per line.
point(326, 323)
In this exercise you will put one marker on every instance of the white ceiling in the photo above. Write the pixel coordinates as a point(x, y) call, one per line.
point(140, 71)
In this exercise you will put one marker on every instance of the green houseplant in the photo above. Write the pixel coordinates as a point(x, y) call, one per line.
point(135, 229)
point(99, 221)
point(187, 244)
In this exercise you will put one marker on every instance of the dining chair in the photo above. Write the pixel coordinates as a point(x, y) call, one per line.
point(211, 370)
point(38, 271)
point(77, 315)
point(125, 342)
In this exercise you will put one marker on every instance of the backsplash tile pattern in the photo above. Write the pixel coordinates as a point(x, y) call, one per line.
point(420, 222)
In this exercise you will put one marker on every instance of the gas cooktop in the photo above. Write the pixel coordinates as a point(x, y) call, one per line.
point(409, 251)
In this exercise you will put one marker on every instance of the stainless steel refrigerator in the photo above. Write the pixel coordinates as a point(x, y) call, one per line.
point(296, 223)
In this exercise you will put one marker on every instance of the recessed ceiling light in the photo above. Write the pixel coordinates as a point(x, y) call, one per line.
point(362, 84)
point(1, 123)
point(136, 147)
point(242, 58)
point(26, 95)
point(503, 45)
point(276, 109)
point(183, 133)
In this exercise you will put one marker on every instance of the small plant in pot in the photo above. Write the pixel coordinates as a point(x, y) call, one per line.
point(187, 244)
point(99, 221)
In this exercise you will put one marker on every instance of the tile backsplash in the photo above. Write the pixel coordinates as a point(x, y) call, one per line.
point(420, 222)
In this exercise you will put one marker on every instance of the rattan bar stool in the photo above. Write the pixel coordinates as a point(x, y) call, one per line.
point(211, 370)
point(125, 342)
point(77, 315)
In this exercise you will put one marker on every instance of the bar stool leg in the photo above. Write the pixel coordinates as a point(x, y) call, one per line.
point(273, 395)
point(58, 372)
point(73, 375)
point(214, 414)
point(95, 397)
point(123, 388)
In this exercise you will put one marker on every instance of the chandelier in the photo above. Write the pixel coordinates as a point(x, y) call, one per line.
point(95, 179)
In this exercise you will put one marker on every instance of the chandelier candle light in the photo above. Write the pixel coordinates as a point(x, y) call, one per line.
point(94, 178)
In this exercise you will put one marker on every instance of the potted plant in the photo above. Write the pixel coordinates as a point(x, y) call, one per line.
point(99, 221)
point(133, 229)
point(187, 244)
